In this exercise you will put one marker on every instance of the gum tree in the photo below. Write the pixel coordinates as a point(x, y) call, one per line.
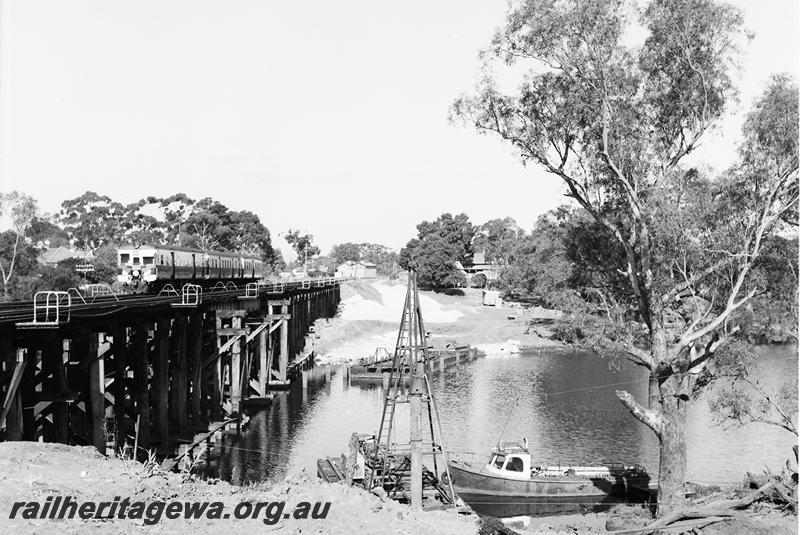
point(615, 122)
point(20, 209)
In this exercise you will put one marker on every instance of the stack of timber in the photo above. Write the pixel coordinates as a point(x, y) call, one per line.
point(373, 369)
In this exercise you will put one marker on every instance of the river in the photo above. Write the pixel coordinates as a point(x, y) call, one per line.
point(563, 403)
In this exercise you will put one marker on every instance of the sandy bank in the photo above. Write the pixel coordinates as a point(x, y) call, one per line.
point(34, 471)
point(370, 314)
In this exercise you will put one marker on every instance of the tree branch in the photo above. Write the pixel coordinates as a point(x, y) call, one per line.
point(787, 422)
point(649, 417)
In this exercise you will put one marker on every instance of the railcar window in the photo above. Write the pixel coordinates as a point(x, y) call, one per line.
point(124, 258)
point(135, 260)
point(147, 260)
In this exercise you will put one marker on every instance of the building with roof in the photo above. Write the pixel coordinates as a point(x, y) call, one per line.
point(53, 255)
point(357, 270)
point(479, 265)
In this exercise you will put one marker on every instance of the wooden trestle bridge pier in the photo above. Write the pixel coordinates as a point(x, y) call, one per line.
point(151, 369)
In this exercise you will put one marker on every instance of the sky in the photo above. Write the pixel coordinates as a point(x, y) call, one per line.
point(328, 117)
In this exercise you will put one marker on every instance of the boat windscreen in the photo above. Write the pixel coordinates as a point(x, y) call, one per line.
point(499, 460)
point(515, 464)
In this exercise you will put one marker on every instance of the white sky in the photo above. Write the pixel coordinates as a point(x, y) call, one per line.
point(326, 116)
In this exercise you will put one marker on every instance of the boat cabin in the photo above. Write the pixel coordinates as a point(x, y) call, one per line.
point(513, 461)
point(510, 461)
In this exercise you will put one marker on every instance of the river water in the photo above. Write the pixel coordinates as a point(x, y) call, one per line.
point(563, 403)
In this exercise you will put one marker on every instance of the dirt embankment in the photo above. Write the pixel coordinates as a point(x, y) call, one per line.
point(32, 471)
point(370, 315)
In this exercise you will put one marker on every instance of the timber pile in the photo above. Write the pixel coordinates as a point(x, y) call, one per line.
point(779, 490)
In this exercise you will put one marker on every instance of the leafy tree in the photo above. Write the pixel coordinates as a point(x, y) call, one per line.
point(105, 265)
point(742, 399)
point(303, 245)
point(497, 238)
point(250, 235)
point(16, 252)
point(614, 122)
point(47, 233)
point(478, 280)
point(437, 248)
point(278, 264)
point(537, 265)
point(92, 220)
point(346, 252)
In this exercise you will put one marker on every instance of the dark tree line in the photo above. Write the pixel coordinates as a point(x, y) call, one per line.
point(98, 224)
point(91, 221)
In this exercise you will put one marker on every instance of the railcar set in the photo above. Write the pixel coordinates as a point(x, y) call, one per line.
point(150, 267)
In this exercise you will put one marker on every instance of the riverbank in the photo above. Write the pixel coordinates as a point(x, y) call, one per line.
point(33, 471)
point(370, 314)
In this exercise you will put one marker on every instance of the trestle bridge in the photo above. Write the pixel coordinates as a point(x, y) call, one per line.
point(105, 370)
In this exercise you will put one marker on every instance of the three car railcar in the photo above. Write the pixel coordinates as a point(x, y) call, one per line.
point(152, 266)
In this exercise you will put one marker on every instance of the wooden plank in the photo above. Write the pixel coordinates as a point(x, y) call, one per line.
point(216, 379)
point(228, 314)
point(232, 332)
point(88, 359)
point(221, 351)
point(277, 317)
point(263, 376)
point(26, 389)
point(235, 377)
point(97, 400)
point(178, 372)
point(11, 393)
point(61, 410)
point(255, 332)
point(196, 359)
point(120, 345)
point(139, 353)
point(51, 359)
point(283, 363)
point(161, 381)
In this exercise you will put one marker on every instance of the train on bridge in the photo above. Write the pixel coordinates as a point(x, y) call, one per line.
point(150, 267)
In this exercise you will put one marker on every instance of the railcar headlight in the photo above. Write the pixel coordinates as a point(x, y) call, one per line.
point(135, 273)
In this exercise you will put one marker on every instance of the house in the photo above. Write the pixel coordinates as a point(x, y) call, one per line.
point(53, 255)
point(357, 270)
point(479, 265)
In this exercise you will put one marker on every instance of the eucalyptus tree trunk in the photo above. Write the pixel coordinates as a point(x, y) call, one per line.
point(672, 451)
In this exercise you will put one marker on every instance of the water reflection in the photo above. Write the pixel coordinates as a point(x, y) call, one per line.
point(563, 403)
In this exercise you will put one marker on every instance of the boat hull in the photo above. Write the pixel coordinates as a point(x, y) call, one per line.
point(502, 497)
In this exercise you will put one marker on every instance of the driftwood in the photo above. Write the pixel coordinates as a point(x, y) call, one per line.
point(707, 514)
point(784, 491)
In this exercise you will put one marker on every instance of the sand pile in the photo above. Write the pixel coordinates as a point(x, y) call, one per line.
point(387, 306)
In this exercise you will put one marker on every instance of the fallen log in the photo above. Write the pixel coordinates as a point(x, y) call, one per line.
point(691, 523)
point(718, 510)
